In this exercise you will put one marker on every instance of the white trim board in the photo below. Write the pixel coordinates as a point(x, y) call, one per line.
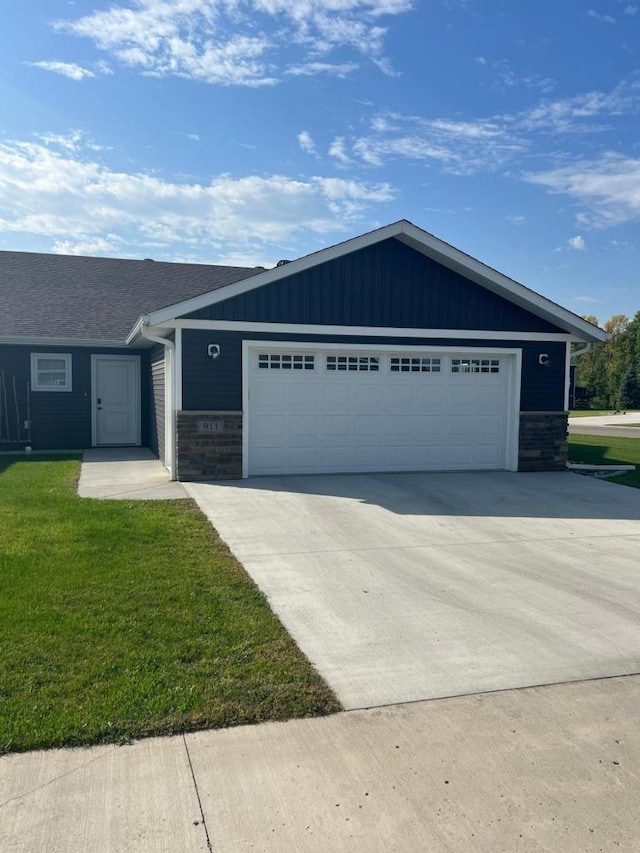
point(366, 331)
point(567, 376)
point(421, 241)
point(513, 356)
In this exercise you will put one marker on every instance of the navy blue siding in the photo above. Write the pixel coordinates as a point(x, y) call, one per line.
point(62, 420)
point(388, 284)
point(209, 384)
point(157, 400)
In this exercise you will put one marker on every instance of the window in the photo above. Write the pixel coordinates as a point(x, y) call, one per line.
point(368, 363)
point(414, 365)
point(475, 365)
point(50, 371)
point(286, 361)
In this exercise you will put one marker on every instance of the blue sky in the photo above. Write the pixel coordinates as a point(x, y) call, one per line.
point(245, 131)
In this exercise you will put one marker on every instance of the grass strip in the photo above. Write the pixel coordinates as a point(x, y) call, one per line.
point(602, 450)
point(125, 619)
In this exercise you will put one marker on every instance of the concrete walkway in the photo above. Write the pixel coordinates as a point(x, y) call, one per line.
point(540, 770)
point(126, 473)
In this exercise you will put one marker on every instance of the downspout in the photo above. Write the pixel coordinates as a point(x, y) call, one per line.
point(581, 351)
point(571, 356)
point(169, 396)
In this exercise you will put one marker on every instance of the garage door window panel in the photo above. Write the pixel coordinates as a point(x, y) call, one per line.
point(475, 365)
point(286, 361)
point(353, 363)
point(400, 364)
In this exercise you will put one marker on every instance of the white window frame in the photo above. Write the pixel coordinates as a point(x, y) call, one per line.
point(36, 386)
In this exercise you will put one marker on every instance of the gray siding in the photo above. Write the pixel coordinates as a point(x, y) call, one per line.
point(157, 404)
point(216, 385)
point(62, 420)
point(388, 284)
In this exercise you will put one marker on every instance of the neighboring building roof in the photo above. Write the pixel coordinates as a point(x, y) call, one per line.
point(421, 241)
point(98, 299)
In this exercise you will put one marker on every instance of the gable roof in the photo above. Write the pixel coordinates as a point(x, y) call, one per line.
point(419, 240)
point(95, 299)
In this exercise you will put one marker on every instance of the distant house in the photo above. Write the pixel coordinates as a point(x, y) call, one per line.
point(392, 351)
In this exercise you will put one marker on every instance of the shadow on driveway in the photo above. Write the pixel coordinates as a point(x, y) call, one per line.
point(558, 495)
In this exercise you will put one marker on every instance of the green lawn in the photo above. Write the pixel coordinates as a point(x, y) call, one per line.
point(600, 449)
point(589, 413)
point(126, 619)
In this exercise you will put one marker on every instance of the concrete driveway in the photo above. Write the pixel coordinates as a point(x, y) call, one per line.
point(402, 587)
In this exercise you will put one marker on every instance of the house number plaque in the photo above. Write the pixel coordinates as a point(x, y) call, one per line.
point(209, 426)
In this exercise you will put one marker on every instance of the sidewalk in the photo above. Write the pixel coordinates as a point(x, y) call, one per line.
point(541, 769)
point(126, 473)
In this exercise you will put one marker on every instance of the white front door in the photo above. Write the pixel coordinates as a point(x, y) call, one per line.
point(116, 399)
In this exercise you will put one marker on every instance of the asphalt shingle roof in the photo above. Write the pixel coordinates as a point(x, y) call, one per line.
point(63, 296)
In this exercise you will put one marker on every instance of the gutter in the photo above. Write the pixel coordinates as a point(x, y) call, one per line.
point(142, 328)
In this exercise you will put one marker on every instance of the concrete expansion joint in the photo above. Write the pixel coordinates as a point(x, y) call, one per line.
point(523, 688)
point(203, 821)
point(571, 538)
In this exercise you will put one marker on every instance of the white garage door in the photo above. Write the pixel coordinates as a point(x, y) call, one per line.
point(330, 411)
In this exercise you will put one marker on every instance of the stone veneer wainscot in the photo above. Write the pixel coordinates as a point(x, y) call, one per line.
point(209, 456)
point(543, 441)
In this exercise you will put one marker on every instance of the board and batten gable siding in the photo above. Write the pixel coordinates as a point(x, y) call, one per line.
point(61, 420)
point(157, 402)
point(216, 384)
point(388, 284)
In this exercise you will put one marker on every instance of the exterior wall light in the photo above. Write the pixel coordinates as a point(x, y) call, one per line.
point(213, 350)
point(544, 360)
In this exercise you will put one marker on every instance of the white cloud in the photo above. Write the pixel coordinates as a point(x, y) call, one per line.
point(631, 10)
point(608, 186)
point(226, 42)
point(67, 69)
point(95, 246)
point(466, 146)
point(306, 143)
point(481, 60)
point(574, 114)
point(83, 206)
point(516, 219)
point(577, 243)
point(461, 147)
point(338, 152)
point(312, 68)
point(607, 19)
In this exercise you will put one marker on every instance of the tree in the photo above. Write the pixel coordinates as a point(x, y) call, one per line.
point(611, 369)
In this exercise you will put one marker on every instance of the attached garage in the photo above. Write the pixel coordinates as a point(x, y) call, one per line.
point(327, 409)
point(393, 351)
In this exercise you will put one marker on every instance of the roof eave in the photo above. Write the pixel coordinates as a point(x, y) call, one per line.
point(42, 341)
point(420, 240)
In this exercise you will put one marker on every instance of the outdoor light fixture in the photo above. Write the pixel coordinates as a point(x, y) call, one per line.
point(213, 350)
point(544, 360)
